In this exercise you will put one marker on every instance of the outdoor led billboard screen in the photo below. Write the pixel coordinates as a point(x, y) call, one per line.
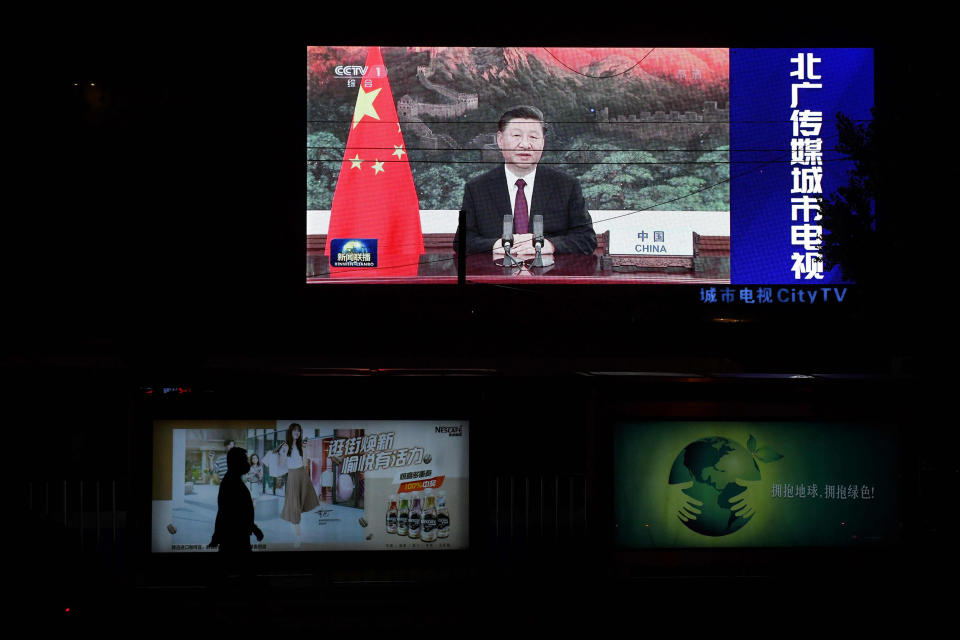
point(311, 485)
point(755, 484)
point(639, 165)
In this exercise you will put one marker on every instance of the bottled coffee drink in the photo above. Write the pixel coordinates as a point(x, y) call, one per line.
point(443, 516)
point(429, 520)
point(403, 515)
point(416, 511)
point(392, 511)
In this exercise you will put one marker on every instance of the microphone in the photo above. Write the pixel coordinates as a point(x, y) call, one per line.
point(538, 240)
point(508, 260)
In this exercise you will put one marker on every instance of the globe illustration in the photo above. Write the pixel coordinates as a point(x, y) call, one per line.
point(714, 465)
point(354, 246)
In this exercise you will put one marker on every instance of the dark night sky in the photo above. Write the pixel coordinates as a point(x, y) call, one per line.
point(124, 243)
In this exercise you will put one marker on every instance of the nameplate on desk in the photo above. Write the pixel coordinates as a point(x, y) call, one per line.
point(662, 238)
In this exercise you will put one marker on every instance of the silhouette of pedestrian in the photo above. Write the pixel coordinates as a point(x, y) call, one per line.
point(235, 508)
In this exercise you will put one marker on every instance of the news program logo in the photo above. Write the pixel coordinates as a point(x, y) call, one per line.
point(353, 252)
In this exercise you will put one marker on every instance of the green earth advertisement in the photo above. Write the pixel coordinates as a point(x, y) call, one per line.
point(755, 484)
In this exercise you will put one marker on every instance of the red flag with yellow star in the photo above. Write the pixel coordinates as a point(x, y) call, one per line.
point(375, 218)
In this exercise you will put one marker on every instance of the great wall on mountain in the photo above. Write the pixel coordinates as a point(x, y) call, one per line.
point(711, 119)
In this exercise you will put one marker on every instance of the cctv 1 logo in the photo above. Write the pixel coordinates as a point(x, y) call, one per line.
point(356, 71)
point(716, 476)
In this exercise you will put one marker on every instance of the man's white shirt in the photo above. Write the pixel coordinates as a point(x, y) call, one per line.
point(527, 189)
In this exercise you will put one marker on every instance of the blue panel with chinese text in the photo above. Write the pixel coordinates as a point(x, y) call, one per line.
point(783, 138)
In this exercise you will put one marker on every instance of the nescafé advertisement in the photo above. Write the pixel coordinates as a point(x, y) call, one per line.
point(310, 485)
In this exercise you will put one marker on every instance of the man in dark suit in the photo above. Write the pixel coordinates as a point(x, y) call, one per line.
point(524, 189)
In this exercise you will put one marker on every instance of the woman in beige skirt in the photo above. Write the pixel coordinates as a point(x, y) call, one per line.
point(300, 496)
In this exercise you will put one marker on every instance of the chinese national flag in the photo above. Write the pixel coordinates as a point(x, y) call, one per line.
point(375, 196)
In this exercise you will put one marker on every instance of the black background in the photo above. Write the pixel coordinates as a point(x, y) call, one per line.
point(125, 269)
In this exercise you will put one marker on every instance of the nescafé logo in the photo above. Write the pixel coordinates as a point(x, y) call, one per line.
point(453, 431)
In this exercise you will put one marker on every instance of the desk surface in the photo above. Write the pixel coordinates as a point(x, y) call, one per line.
point(482, 268)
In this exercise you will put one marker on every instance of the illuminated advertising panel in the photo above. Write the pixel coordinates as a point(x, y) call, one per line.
point(638, 165)
point(310, 485)
point(754, 484)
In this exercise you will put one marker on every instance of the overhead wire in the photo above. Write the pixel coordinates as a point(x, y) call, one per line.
point(622, 215)
point(612, 75)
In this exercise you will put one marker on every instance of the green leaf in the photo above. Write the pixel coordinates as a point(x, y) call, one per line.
point(766, 454)
point(752, 444)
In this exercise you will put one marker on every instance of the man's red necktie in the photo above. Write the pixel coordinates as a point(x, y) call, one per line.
point(521, 220)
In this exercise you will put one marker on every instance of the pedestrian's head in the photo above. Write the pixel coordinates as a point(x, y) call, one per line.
point(254, 459)
point(237, 461)
point(228, 444)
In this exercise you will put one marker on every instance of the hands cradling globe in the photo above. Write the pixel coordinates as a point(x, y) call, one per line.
point(712, 484)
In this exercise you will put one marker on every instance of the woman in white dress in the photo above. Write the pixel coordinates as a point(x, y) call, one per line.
point(300, 496)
